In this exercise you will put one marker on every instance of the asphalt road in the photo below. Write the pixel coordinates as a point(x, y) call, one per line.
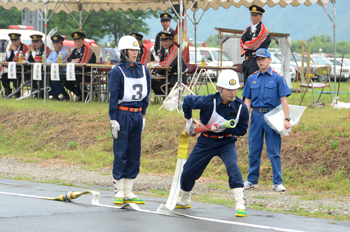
point(18, 213)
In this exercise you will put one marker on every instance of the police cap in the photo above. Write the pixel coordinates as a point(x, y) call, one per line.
point(78, 35)
point(164, 36)
point(57, 38)
point(165, 17)
point(14, 36)
point(137, 35)
point(36, 37)
point(254, 10)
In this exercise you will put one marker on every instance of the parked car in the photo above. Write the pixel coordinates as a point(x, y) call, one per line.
point(213, 55)
point(295, 66)
point(276, 64)
point(212, 73)
point(113, 53)
point(323, 61)
point(346, 67)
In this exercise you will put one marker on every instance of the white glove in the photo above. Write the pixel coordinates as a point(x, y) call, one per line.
point(190, 127)
point(143, 123)
point(115, 128)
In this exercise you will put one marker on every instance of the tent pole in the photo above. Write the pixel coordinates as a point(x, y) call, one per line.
point(45, 21)
point(179, 66)
point(334, 48)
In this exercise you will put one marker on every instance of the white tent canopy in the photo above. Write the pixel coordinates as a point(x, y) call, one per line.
point(97, 5)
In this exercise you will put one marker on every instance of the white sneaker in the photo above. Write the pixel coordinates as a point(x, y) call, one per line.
point(279, 187)
point(248, 185)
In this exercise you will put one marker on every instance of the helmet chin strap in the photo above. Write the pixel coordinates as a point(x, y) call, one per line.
point(223, 96)
point(127, 57)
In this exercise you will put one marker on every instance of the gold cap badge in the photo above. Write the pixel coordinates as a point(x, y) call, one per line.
point(232, 82)
point(75, 34)
point(254, 9)
point(163, 36)
point(134, 35)
point(165, 16)
point(13, 36)
point(34, 36)
point(55, 38)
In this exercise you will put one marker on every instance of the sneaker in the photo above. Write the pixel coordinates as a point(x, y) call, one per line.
point(182, 206)
point(241, 213)
point(135, 200)
point(248, 185)
point(279, 187)
point(118, 200)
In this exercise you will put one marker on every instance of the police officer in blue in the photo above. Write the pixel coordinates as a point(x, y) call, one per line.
point(57, 86)
point(264, 90)
point(222, 105)
point(129, 87)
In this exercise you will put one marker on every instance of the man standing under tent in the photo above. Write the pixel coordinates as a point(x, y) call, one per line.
point(265, 90)
point(254, 37)
point(165, 20)
point(168, 58)
point(57, 86)
point(12, 54)
point(222, 105)
point(129, 87)
point(145, 55)
point(80, 54)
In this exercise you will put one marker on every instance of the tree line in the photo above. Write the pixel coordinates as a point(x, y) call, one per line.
point(114, 24)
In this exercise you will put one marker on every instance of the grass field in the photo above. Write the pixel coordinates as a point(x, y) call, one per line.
point(315, 156)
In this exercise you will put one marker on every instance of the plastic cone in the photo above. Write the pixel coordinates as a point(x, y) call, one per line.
point(349, 115)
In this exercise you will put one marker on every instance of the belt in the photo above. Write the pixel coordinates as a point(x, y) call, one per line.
point(262, 109)
point(216, 136)
point(130, 109)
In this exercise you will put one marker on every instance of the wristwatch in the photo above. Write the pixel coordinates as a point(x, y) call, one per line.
point(287, 119)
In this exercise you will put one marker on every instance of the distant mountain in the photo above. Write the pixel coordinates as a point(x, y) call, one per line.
point(300, 22)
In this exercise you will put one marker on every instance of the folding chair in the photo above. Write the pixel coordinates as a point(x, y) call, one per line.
point(320, 71)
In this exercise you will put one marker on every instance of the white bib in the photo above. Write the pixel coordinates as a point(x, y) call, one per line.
point(215, 117)
point(135, 89)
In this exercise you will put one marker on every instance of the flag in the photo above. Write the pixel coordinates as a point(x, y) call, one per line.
point(185, 43)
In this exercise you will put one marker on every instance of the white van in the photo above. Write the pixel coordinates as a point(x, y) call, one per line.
point(213, 56)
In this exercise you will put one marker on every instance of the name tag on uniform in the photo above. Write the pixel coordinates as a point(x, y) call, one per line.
point(55, 76)
point(37, 72)
point(70, 72)
point(12, 70)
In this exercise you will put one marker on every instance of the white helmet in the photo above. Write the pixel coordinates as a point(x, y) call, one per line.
point(228, 79)
point(128, 42)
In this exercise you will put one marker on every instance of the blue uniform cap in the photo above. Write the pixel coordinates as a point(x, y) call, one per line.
point(263, 53)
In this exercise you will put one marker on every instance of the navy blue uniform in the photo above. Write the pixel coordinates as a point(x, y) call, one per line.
point(207, 147)
point(127, 147)
point(265, 91)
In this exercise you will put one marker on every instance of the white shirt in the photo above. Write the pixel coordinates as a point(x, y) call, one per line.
point(167, 30)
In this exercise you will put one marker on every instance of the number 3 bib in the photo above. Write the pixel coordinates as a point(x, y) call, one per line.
point(135, 89)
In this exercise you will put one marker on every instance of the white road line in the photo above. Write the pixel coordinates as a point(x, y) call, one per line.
point(163, 210)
